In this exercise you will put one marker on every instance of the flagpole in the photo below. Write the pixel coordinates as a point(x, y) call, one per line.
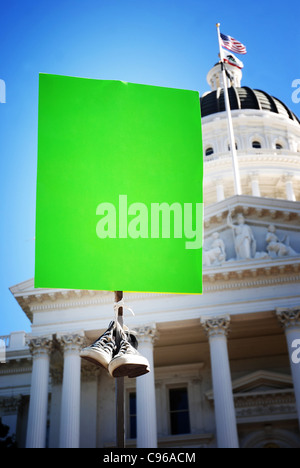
point(120, 423)
point(236, 173)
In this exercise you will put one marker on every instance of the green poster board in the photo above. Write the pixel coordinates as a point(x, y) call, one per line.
point(119, 187)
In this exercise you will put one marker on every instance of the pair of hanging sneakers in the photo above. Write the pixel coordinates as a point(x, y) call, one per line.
point(116, 351)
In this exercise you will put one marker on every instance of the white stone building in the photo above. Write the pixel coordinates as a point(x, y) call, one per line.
point(222, 373)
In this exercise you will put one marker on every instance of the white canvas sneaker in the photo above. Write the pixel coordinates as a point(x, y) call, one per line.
point(127, 361)
point(101, 351)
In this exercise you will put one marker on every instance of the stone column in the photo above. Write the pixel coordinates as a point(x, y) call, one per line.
point(145, 392)
point(289, 189)
point(255, 184)
point(40, 348)
point(289, 319)
point(217, 329)
point(70, 403)
point(220, 189)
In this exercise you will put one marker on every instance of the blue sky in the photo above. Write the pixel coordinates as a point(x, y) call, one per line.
point(169, 43)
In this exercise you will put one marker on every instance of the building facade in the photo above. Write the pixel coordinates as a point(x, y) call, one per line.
point(222, 368)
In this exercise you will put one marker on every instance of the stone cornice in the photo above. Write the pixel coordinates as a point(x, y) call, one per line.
point(7, 370)
point(236, 275)
point(266, 209)
point(270, 405)
point(218, 285)
point(35, 300)
point(224, 159)
point(266, 271)
point(249, 398)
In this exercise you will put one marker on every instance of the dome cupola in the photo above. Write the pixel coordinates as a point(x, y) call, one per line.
point(240, 97)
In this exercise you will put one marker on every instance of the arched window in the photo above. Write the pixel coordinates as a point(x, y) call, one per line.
point(236, 146)
point(279, 146)
point(256, 144)
point(209, 151)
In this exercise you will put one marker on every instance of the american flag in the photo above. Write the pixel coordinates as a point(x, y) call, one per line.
point(232, 44)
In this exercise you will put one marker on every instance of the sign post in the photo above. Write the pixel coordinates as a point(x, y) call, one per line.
point(99, 228)
point(120, 420)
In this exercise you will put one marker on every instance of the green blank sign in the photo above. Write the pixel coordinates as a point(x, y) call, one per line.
point(119, 187)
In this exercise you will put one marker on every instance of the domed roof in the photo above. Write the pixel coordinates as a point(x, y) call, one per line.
point(244, 98)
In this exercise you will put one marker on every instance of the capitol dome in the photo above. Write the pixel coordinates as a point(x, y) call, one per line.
point(244, 98)
point(267, 140)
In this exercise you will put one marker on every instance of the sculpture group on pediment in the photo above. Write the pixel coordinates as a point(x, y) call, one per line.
point(277, 247)
point(244, 241)
point(216, 254)
point(245, 244)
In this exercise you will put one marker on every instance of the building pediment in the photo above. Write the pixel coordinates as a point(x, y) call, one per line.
point(259, 383)
point(262, 396)
point(250, 233)
point(33, 299)
point(262, 381)
point(27, 296)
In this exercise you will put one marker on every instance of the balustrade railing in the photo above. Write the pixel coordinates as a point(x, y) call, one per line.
point(252, 151)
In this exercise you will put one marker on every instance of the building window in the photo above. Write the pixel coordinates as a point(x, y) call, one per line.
point(256, 144)
point(132, 415)
point(278, 146)
point(179, 411)
point(209, 151)
point(236, 146)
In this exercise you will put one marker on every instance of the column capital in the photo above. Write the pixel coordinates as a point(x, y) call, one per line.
point(216, 326)
point(39, 345)
point(287, 177)
point(71, 341)
point(219, 179)
point(253, 175)
point(289, 317)
point(147, 333)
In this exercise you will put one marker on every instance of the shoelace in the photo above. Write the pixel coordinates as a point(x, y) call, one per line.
point(105, 342)
point(125, 346)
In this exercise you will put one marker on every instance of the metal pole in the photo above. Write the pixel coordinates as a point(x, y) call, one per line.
point(120, 422)
point(236, 173)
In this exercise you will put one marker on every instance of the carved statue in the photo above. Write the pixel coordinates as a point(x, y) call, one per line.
point(216, 254)
point(277, 247)
point(244, 242)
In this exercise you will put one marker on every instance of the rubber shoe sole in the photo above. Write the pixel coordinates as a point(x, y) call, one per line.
point(128, 366)
point(99, 358)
